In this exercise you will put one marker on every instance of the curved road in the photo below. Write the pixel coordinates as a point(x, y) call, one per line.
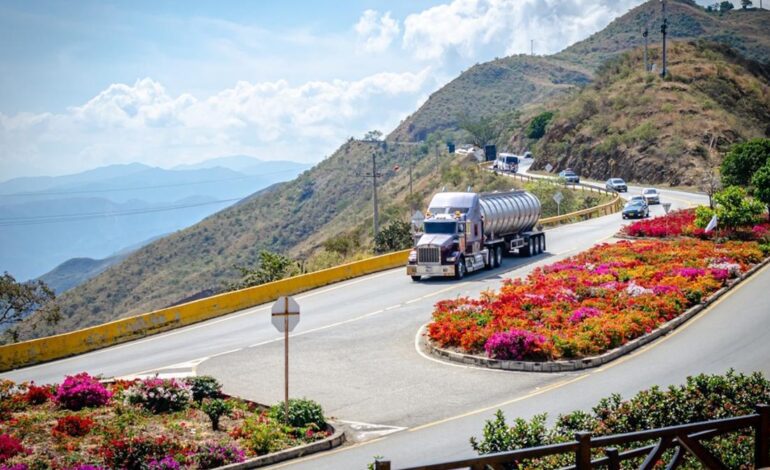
point(354, 352)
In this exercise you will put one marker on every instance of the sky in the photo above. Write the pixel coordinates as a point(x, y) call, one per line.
point(94, 83)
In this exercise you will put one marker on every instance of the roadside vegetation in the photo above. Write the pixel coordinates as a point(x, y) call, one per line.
point(153, 424)
point(701, 398)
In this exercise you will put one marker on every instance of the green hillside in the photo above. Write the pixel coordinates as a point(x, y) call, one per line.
point(637, 126)
point(517, 82)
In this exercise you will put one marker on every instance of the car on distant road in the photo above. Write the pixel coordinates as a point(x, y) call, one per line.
point(651, 195)
point(638, 197)
point(636, 210)
point(527, 154)
point(569, 176)
point(507, 162)
point(616, 184)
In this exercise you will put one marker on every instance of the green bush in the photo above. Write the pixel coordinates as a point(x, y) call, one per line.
point(701, 398)
point(536, 127)
point(265, 436)
point(397, 235)
point(215, 409)
point(302, 412)
point(204, 386)
point(733, 209)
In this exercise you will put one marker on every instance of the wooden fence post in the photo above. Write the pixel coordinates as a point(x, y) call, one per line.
point(761, 437)
point(382, 465)
point(583, 452)
point(613, 455)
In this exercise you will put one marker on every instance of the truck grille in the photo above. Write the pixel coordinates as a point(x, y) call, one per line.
point(428, 254)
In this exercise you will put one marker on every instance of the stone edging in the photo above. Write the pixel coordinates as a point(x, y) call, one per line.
point(335, 440)
point(586, 362)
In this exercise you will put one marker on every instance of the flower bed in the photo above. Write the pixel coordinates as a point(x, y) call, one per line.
point(682, 223)
point(149, 424)
point(592, 302)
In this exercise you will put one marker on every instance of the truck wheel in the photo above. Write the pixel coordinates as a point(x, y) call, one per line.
point(490, 261)
point(526, 250)
point(542, 243)
point(460, 269)
point(498, 256)
point(416, 278)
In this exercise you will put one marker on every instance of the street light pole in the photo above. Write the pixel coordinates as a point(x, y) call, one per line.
point(374, 191)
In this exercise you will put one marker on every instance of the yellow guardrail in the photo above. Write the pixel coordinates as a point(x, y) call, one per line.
point(50, 348)
point(39, 350)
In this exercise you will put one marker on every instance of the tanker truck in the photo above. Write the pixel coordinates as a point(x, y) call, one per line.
point(466, 232)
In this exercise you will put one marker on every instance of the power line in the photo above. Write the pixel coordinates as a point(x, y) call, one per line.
point(136, 188)
point(75, 217)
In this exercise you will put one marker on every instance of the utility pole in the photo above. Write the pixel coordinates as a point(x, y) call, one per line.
point(532, 47)
point(374, 192)
point(663, 28)
point(644, 35)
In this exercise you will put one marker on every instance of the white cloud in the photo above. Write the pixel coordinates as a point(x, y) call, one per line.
point(375, 31)
point(142, 122)
point(470, 28)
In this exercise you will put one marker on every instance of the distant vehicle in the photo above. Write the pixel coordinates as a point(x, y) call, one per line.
point(507, 162)
point(636, 210)
point(616, 184)
point(651, 195)
point(638, 197)
point(569, 176)
point(471, 151)
point(527, 154)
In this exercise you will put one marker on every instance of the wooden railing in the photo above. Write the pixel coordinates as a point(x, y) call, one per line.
point(682, 440)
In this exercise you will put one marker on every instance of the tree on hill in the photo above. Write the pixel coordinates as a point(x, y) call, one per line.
point(18, 300)
point(373, 135)
point(726, 6)
point(746, 4)
point(536, 128)
point(733, 209)
point(397, 235)
point(272, 267)
point(743, 160)
point(484, 130)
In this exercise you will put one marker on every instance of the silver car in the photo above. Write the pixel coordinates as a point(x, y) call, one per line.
point(651, 195)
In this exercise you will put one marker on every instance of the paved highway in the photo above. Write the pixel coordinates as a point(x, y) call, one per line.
point(354, 352)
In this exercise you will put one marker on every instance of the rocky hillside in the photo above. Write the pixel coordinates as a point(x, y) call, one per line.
point(516, 82)
point(637, 126)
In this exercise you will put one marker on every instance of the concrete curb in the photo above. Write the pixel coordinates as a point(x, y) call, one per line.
point(335, 440)
point(586, 362)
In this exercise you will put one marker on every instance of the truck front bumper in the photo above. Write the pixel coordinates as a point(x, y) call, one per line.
point(433, 270)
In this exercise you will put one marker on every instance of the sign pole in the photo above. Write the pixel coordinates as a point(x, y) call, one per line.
point(286, 355)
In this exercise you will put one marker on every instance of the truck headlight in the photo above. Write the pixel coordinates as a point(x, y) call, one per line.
point(412, 256)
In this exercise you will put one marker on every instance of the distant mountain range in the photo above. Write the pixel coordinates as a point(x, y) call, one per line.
point(45, 221)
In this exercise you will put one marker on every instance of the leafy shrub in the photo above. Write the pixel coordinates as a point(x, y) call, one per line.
point(264, 435)
point(10, 447)
point(73, 425)
point(166, 463)
point(204, 386)
point(215, 455)
point(136, 452)
point(302, 412)
point(397, 235)
point(701, 398)
point(215, 409)
point(81, 391)
point(536, 127)
point(514, 345)
point(38, 395)
point(159, 395)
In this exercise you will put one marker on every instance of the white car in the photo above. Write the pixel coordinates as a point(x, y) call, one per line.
point(651, 195)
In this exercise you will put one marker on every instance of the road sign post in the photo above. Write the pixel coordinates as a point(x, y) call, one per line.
point(285, 316)
point(558, 197)
point(666, 208)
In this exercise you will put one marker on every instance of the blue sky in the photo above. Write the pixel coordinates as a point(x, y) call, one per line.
point(91, 83)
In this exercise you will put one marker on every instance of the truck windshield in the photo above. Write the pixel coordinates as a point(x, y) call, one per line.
point(447, 228)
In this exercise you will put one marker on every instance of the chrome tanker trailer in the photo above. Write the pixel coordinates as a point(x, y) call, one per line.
point(466, 232)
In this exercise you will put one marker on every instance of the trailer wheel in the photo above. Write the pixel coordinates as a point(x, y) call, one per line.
point(460, 269)
point(528, 249)
point(498, 256)
point(416, 278)
point(540, 244)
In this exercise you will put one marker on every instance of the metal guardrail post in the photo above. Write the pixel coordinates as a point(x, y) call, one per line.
point(382, 465)
point(583, 452)
point(613, 457)
point(761, 437)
